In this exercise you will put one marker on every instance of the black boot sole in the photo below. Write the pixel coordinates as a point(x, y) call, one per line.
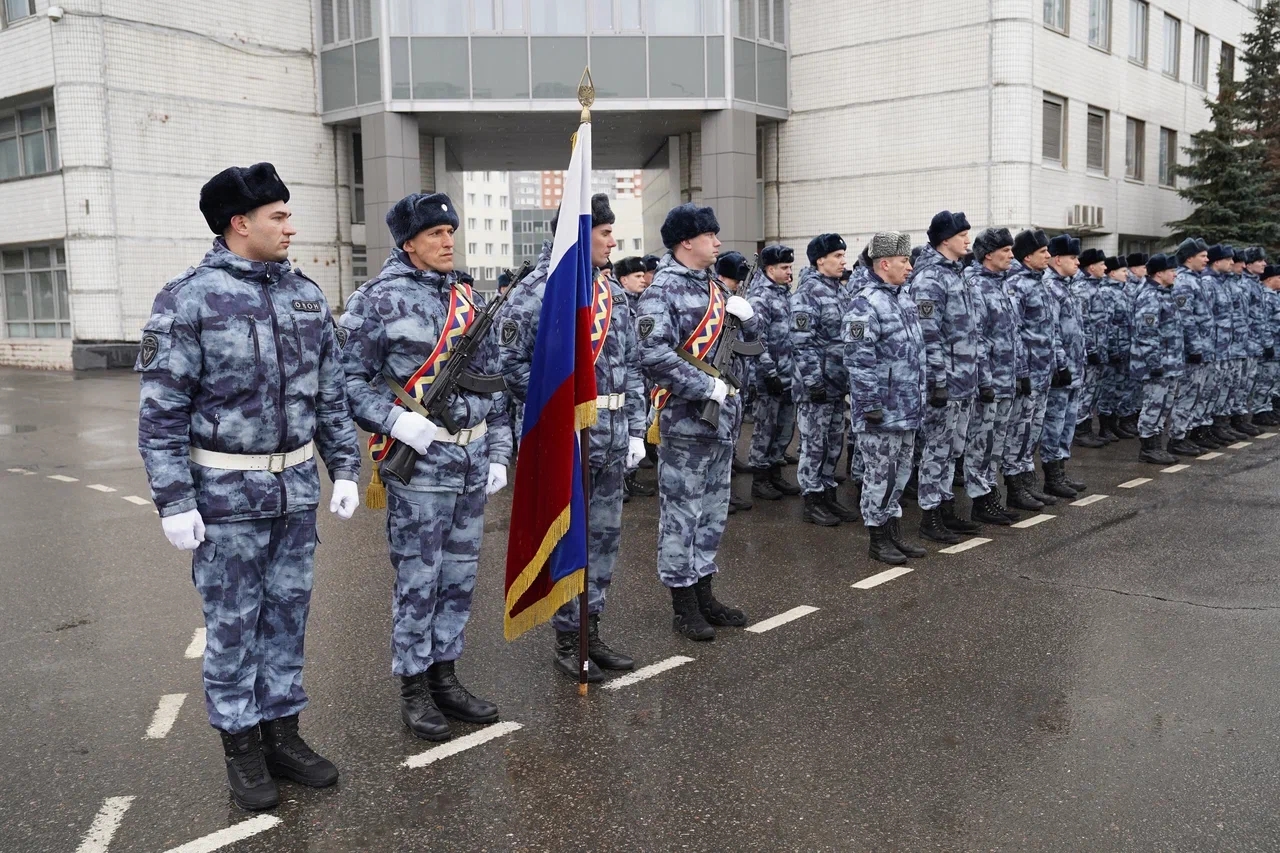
point(280, 770)
point(454, 714)
point(255, 805)
point(434, 737)
point(832, 522)
point(900, 560)
point(569, 668)
point(766, 496)
point(697, 637)
point(986, 518)
point(947, 538)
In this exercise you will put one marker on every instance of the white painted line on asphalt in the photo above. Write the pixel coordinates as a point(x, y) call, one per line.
point(134, 499)
point(1173, 469)
point(1267, 435)
point(23, 471)
point(1239, 445)
point(781, 619)
point(196, 648)
point(646, 672)
point(236, 832)
point(1032, 521)
point(1134, 483)
point(462, 744)
point(965, 545)
point(63, 478)
point(1091, 499)
point(1205, 457)
point(98, 487)
point(166, 714)
point(105, 824)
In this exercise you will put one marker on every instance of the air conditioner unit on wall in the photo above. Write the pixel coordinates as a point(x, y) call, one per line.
point(1086, 216)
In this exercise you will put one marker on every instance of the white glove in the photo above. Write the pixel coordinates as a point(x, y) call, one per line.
point(635, 452)
point(719, 391)
point(346, 497)
point(414, 430)
point(497, 478)
point(740, 308)
point(185, 531)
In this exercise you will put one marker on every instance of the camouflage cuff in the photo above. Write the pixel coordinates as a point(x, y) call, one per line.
point(389, 421)
point(352, 474)
point(184, 505)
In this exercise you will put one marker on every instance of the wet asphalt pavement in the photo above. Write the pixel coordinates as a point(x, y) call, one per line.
point(1102, 681)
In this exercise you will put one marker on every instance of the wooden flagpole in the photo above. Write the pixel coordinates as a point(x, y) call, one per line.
point(586, 97)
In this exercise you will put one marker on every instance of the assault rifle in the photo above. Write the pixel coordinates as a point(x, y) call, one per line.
point(731, 344)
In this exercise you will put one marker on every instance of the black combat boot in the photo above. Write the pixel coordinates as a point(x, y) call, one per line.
point(454, 699)
point(762, 486)
point(781, 483)
point(1179, 447)
point(567, 658)
point(912, 490)
point(716, 612)
point(1242, 423)
point(957, 477)
point(600, 652)
point(252, 787)
point(637, 489)
point(419, 711)
point(932, 528)
point(740, 467)
point(882, 547)
point(986, 509)
point(817, 512)
point(954, 523)
point(1071, 482)
point(790, 459)
point(1221, 430)
point(1264, 419)
point(894, 529)
point(289, 757)
point(650, 459)
point(1106, 428)
point(1055, 483)
point(688, 619)
point(1122, 427)
point(1202, 438)
point(1019, 497)
point(1084, 436)
point(737, 504)
point(839, 510)
point(1029, 483)
point(1153, 454)
point(997, 500)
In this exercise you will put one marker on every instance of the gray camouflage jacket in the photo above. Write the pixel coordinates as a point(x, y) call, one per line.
point(884, 353)
point(772, 304)
point(945, 307)
point(817, 309)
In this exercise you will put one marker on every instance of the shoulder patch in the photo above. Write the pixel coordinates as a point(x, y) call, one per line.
point(510, 332)
point(148, 349)
point(1181, 300)
point(927, 307)
point(341, 334)
point(1149, 319)
point(308, 306)
point(645, 327)
point(857, 330)
point(800, 321)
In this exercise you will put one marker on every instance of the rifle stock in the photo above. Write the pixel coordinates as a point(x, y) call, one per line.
point(724, 355)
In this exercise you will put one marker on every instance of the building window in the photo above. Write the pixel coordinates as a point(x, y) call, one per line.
point(488, 248)
point(471, 198)
point(342, 20)
point(1139, 18)
point(1227, 63)
point(1168, 156)
point(1099, 120)
point(471, 248)
point(488, 225)
point(357, 179)
point(1055, 14)
point(506, 247)
point(1054, 145)
point(1100, 24)
point(35, 292)
point(1172, 46)
point(471, 222)
point(488, 200)
point(635, 244)
point(502, 225)
point(1200, 65)
point(1135, 142)
point(28, 141)
point(499, 15)
point(15, 10)
point(359, 266)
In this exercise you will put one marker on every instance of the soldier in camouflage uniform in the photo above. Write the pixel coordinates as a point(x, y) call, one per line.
point(1269, 370)
point(1228, 342)
point(1196, 318)
point(1069, 362)
point(241, 383)
point(884, 354)
point(1157, 358)
point(944, 305)
point(1245, 346)
point(732, 271)
point(1003, 375)
point(1117, 309)
point(435, 521)
point(1264, 335)
point(1086, 289)
point(1131, 395)
point(819, 380)
point(694, 457)
point(774, 419)
point(616, 439)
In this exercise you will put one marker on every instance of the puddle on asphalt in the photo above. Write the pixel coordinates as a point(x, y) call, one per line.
point(16, 429)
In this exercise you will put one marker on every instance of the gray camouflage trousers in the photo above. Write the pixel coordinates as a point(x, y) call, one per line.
point(1111, 388)
point(822, 429)
point(1224, 385)
point(435, 546)
point(774, 425)
point(886, 456)
point(1264, 384)
point(604, 514)
point(1132, 398)
point(1059, 424)
point(1188, 400)
point(1240, 393)
point(984, 447)
point(1026, 425)
point(1158, 396)
point(254, 579)
point(941, 441)
point(1088, 393)
point(693, 503)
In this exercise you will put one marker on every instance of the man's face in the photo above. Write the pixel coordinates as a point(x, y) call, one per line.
point(955, 247)
point(1272, 283)
point(894, 270)
point(999, 260)
point(1222, 265)
point(1198, 262)
point(832, 265)
point(602, 243)
point(700, 252)
point(648, 277)
point(1237, 267)
point(1096, 270)
point(432, 249)
point(1139, 272)
point(1037, 260)
point(1165, 278)
point(1256, 267)
point(1121, 275)
point(731, 283)
point(1065, 265)
point(779, 273)
point(263, 234)
point(633, 283)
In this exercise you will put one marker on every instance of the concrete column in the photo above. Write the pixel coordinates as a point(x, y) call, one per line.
point(392, 170)
point(662, 183)
point(729, 177)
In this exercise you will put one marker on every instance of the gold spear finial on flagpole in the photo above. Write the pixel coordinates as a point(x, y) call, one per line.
point(586, 97)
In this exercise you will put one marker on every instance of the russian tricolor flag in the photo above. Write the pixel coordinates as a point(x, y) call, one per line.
point(547, 544)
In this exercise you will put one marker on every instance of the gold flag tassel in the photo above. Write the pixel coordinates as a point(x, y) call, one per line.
point(375, 496)
point(652, 437)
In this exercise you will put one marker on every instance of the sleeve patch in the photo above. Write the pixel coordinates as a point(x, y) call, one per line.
point(857, 330)
point(645, 327)
point(1181, 300)
point(801, 322)
point(306, 305)
point(153, 349)
point(1149, 319)
point(510, 333)
point(927, 307)
point(342, 334)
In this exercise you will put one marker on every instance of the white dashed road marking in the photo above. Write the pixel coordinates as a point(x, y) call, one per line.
point(1267, 435)
point(781, 619)
point(646, 672)
point(105, 824)
point(1205, 457)
point(98, 487)
point(63, 478)
point(882, 577)
point(1173, 469)
point(965, 545)
point(23, 471)
point(1239, 445)
point(1133, 484)
point(134, 499)
point(462, 744)
point(195, 649)
point(1032, 521)
point(166, 713)
point(1091, 499)
point(236, 832)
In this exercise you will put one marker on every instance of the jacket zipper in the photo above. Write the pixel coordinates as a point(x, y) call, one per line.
point(257, 348)
point(281, 420)
point(217, 419)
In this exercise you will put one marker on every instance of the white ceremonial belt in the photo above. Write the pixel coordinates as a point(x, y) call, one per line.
point(462, 437)
point(612, 402)
point(273, 462)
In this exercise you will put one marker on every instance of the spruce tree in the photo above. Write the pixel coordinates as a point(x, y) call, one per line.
point(1259, 95)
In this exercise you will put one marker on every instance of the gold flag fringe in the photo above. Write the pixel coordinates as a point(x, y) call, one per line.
point(565, 589)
